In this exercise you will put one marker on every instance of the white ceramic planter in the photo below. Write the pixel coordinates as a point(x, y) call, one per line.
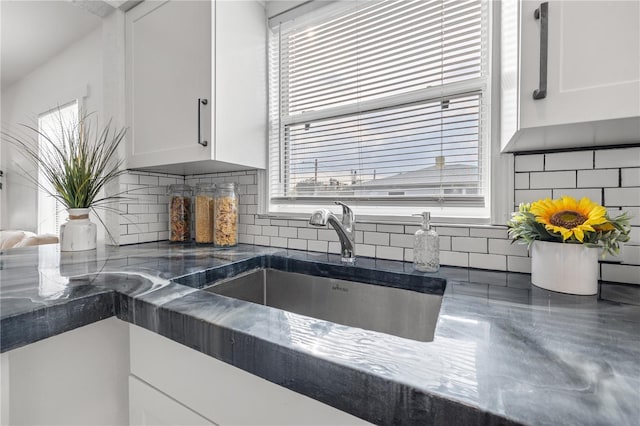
point(78, 233)
point(565, 268)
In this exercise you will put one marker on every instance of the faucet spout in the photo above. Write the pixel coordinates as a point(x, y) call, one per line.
point(344, 228)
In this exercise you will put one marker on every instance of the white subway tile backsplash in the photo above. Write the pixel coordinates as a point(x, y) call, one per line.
point(279, 242)
point(307, 233)
point(129, 178)
point(408, 255)
point(594, 194)
point(246, 239)
point(366, 227)
point(298, 223)
point(297, 244)
point(519, 264)
point(398, 229)
point(631, 255)
point(522, 181)
point(327, 235)
point(631, 177)
point(497, 246)
point(165, 180)
point(271, 231)
point(530, 195)
point(249, 219)
point(629, 274)
point(149, 180)
point(262, 240)
point(157, 227)
point(366, 250)
point(359, 237)
point(137, 228)
point(488, 261)
point(334, 247)
point(288, 232)
point(129, 239)
point(598, 178)
point(247, 179)
point(454, 258)
point(147, 237)
point(529, 163)
point(376, 238)
point(137, 208)
point(401, 240)
point(622, 196)
point(444, 242)
point(254, 229)
point(615, 158)
point(453, 231)
point(487, 247)
point(569, 160)
point(541, 180)
point(493, 232)
point(321, 246)
point(387, 252)
point(469, 244)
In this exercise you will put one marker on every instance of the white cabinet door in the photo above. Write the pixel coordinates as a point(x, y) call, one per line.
point(220, 392)
point(593, 74)
point(593, 63)
point(149, 407)
point(75, 378)
point(168, 70)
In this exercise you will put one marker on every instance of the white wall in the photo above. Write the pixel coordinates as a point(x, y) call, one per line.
point(75, 72)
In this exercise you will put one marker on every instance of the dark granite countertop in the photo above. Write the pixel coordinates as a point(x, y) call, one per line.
point(504, 352)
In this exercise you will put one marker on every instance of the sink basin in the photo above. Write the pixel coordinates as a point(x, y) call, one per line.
point(404, 313)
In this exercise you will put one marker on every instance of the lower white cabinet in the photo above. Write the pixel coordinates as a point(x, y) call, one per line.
point(150, 407)
point(75, 378)
point(217, 391)
point(114, 373)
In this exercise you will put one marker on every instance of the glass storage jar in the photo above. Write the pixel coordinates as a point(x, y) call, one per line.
point(180, 213)
point(225, 232)
point(204, 206)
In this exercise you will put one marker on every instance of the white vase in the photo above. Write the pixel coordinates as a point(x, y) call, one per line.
point(78, 233)
point(565, 268)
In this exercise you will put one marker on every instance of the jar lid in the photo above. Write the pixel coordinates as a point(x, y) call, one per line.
point(179, 188)
point(205, 187)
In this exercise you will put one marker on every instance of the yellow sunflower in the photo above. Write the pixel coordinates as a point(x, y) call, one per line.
point(567, 216)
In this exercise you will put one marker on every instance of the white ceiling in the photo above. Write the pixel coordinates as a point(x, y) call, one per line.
point(34, 31)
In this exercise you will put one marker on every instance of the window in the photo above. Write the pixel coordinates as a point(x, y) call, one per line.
point(51, 213)
point(381, 104)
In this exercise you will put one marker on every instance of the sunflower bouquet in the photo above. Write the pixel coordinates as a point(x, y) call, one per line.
point(567, 220)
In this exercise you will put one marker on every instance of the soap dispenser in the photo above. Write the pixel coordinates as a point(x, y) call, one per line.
point(426, 246)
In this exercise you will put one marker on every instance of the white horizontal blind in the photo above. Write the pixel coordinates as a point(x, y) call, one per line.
point(383, 101)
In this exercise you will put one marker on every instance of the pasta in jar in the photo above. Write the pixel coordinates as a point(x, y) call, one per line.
point(226, 216)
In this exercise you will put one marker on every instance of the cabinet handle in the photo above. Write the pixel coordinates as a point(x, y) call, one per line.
point(201, 102)
point(542, 13)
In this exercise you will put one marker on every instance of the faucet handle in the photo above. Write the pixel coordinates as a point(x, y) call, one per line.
point(347, 214)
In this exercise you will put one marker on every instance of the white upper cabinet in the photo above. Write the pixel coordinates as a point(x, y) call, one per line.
point(196, 86)
point(592, 74)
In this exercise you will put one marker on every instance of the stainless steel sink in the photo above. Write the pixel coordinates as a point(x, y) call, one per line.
point(395, 311)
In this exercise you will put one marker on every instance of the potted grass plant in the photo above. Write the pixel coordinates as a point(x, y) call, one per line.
point(77, 164)
point(565, 237)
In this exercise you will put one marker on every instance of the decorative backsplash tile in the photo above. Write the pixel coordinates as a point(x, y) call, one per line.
point(608, 176)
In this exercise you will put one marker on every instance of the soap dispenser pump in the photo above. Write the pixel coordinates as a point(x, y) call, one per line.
point(426, 246)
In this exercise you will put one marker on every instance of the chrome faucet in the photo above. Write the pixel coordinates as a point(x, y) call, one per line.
point(345, 229)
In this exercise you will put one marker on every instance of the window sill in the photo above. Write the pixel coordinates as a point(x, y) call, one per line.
point(455, 222)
